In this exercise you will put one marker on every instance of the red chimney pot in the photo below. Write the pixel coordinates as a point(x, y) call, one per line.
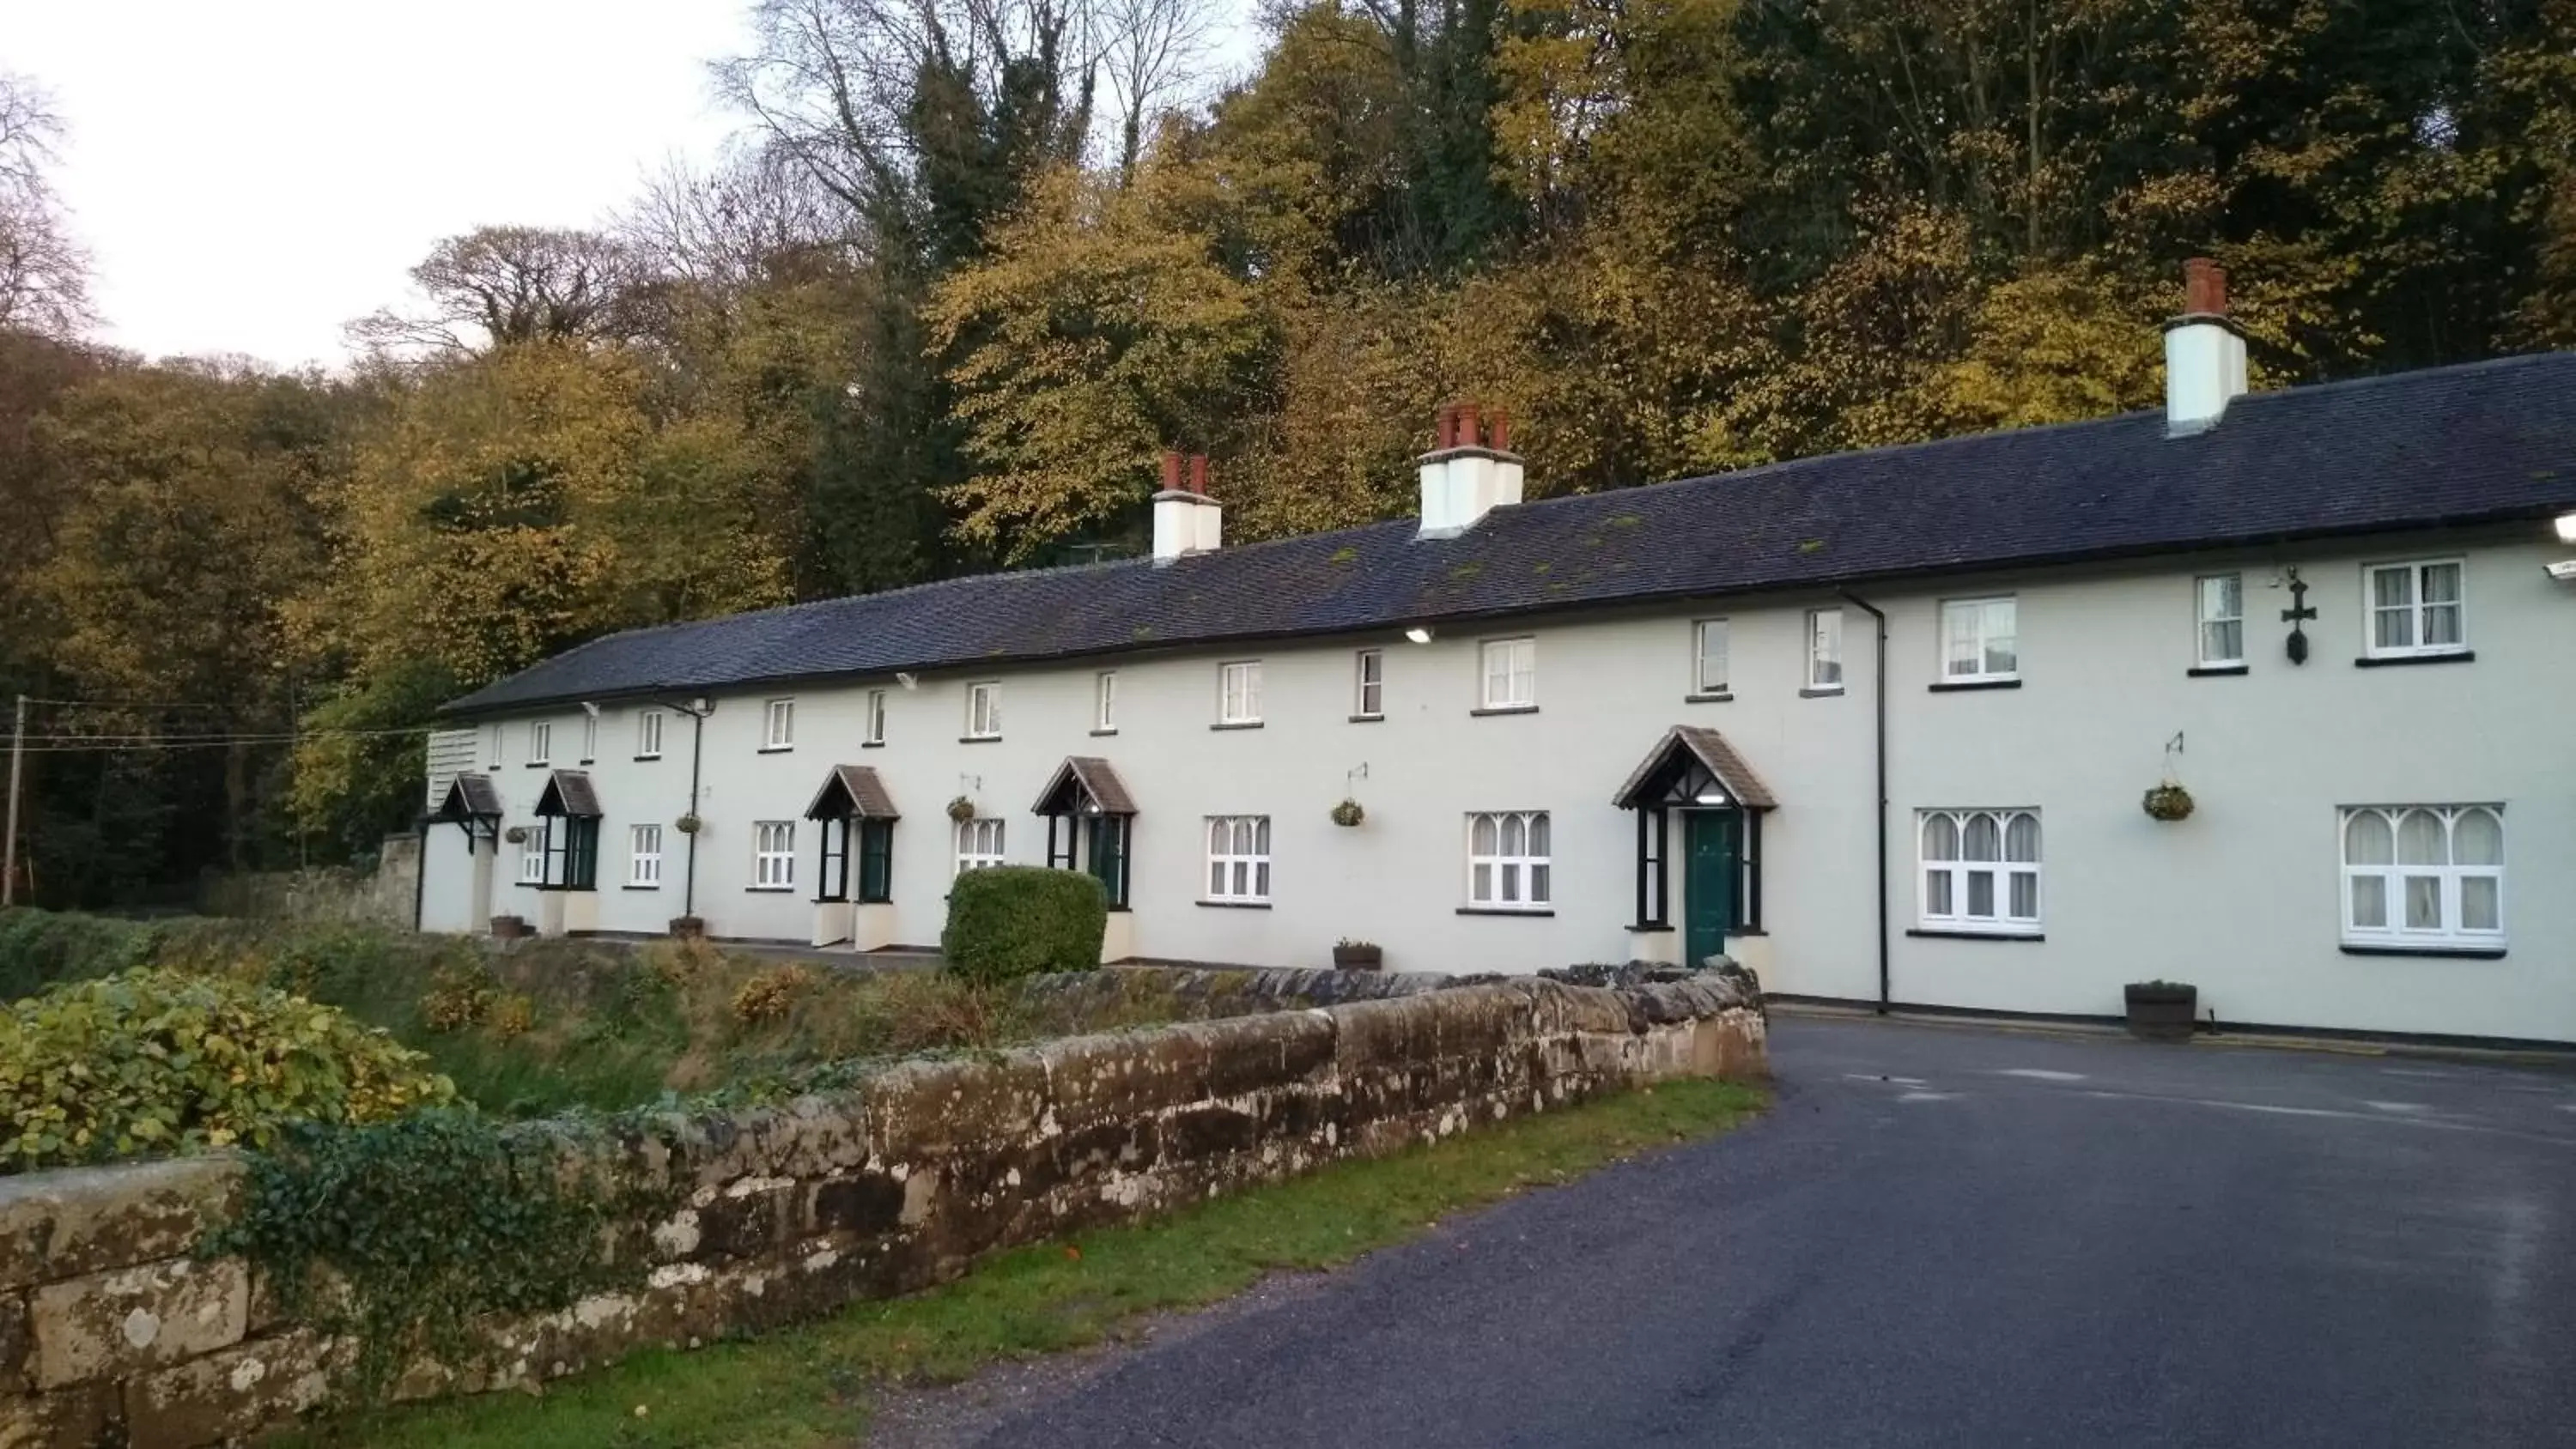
point(1444, 428)
point(1467, 437)
point(2204, 288)
point(1198, 473)
point(1171, 471)
point(1498, 429)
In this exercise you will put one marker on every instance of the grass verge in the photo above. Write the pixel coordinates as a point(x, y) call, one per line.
point(809, 1386)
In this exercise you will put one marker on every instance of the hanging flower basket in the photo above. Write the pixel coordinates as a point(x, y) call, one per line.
point(516, 835)
point(1348, 813)
point(961, 809)
point(2169, 802)
point(689, 824)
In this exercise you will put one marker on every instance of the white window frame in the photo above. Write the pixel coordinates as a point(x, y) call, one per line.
point(1238, 692)
point(643, 857)
point(500, 747)
point(541, 742)
point(1104, 702)
point(1238, 859)
point(778, 726)
point(2207, 614)
point(1979, 623)
point(773, 855)
point(984, 710)
point(648, 735)
point(1514, 685)
point(589, 737)
point(1368, 684)
point(532, 855)
point(1824, 651)
point(2393, 876)
point(1502, 878)
point(1705, 683)
point(1945, 886)
point(2416, 611)
point(981, 843)
point(874, 730)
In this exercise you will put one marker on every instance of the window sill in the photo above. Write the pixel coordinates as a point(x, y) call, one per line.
point(979, 739)
point(540, 764)
point(1936, 935)
point(1651, 928)
point(872, 744)
point(1236, 905)
point(769, 890)
point(1493, 709)
point(1236, 724)
point(1506, 911)
point(873, 901)
point(585, 761)
point(2456, 953)
point(1828, 692)
point(2387, 661)
point(1368, 719)
point(1968, 686)
point(775, 750)
point(2214, 671)
point(1103, 734)
point(1720, 697)
point(639, 759)
point(639, 887)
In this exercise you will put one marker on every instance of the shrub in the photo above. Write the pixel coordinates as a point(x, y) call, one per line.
point(156, 1061)
point(40, 948)
point(1017, 920)
point(512, 1015)
point(769, 994)
point(459, 996)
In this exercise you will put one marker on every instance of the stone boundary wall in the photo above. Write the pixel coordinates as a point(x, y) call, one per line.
point(110, 1333)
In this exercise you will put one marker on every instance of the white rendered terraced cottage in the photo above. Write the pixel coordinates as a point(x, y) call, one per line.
point(1877, 724)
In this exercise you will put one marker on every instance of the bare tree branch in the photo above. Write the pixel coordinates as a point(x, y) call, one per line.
point(44, 271)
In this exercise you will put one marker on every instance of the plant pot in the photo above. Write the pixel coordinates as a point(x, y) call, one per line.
point(2168, 803)
point(688, 928)
point(1348, 814)
point(961, 809)
point(510, 928)
point(1358, 958)
point(2162, 1010)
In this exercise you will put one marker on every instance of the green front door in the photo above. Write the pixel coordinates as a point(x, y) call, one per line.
point(1709, 856)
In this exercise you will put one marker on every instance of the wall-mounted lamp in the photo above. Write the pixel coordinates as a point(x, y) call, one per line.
point(1418, 634)
point(1709, 797)
point(2567, 528)
point(590, 709)
point(907, 680)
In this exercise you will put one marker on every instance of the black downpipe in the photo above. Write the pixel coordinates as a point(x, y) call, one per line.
point(697, 747)
point(420, 870)
point(1878, 702)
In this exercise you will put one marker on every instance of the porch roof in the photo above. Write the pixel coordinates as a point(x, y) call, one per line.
point(569, 792)
point(1094, 778)
point(854, 791)
point(470, 796)
point(1685, 745)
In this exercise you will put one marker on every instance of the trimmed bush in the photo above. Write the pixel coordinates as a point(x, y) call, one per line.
point(157, 1061)
point(40, 948)
point(1017, 920)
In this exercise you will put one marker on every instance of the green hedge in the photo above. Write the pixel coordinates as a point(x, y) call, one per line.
point(159, 1061)
point(1017, 920)
point(40, 948)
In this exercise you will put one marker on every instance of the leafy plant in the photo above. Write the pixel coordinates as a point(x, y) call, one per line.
point(39, 948)
point(769, 995)
point(459, 996)
point(2169, 802)
point(1348, 813)
point(160, 1061)
point(1016, 920)
point(961, 809)
point(689, 823)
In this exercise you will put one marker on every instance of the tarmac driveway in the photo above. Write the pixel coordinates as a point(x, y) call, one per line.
point(1950, 1236)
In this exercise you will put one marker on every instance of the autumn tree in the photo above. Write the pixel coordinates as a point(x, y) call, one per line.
point(498, 285)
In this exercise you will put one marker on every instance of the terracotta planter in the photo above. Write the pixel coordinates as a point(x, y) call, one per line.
point(1358, 958)
point(688, 928)
point(510, 928)
point(2162, 1011)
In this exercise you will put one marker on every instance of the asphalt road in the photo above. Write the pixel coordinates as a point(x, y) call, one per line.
point(1947, 1236)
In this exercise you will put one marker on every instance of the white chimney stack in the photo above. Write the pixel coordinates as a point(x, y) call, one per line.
point(1469, 471)
point(1186, 519)
point(2204, 353)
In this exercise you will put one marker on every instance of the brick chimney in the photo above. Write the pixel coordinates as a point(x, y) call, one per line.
point(1470, 470)
point(1186, 519)
point(2204, 353)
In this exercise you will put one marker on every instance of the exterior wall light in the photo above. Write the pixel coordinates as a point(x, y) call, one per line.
point(2567, 528)
point(1420, 635)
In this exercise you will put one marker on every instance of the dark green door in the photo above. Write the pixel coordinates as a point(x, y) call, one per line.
point(1709, 875)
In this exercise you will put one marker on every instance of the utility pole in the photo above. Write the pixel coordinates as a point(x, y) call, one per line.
point(17, 763)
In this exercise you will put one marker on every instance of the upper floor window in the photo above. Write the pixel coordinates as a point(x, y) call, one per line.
point(773, 855)
point(648, 735)
point(1977, 641)
point(541, 743)
point(644, 855)
point(1508, 863)
point(1511, 673)
point(2415, 609)
point(2424, 875)
point(779, 733)
point(1708, 657)
point(1824, 651)
point(1239, 859)
point(589, 736)
point(984, 710)
point(1368, 694)
point(873, 732)
point(1980, 871)
point(979, 844)
point(1104, 702)
point(1238, 693)
point(2220, 601)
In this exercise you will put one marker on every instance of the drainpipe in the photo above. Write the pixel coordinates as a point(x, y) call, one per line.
point(1878, 702)
point(420, 869)
point(697, 713)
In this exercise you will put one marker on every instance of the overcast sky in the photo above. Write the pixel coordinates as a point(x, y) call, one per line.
point(250, 174)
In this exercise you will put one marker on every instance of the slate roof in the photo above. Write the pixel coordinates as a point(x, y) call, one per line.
point(1092, 776)
point(860, 794)
point(470, 796)
point(569, 792)
point(1711, 750)
point(2479, 443)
